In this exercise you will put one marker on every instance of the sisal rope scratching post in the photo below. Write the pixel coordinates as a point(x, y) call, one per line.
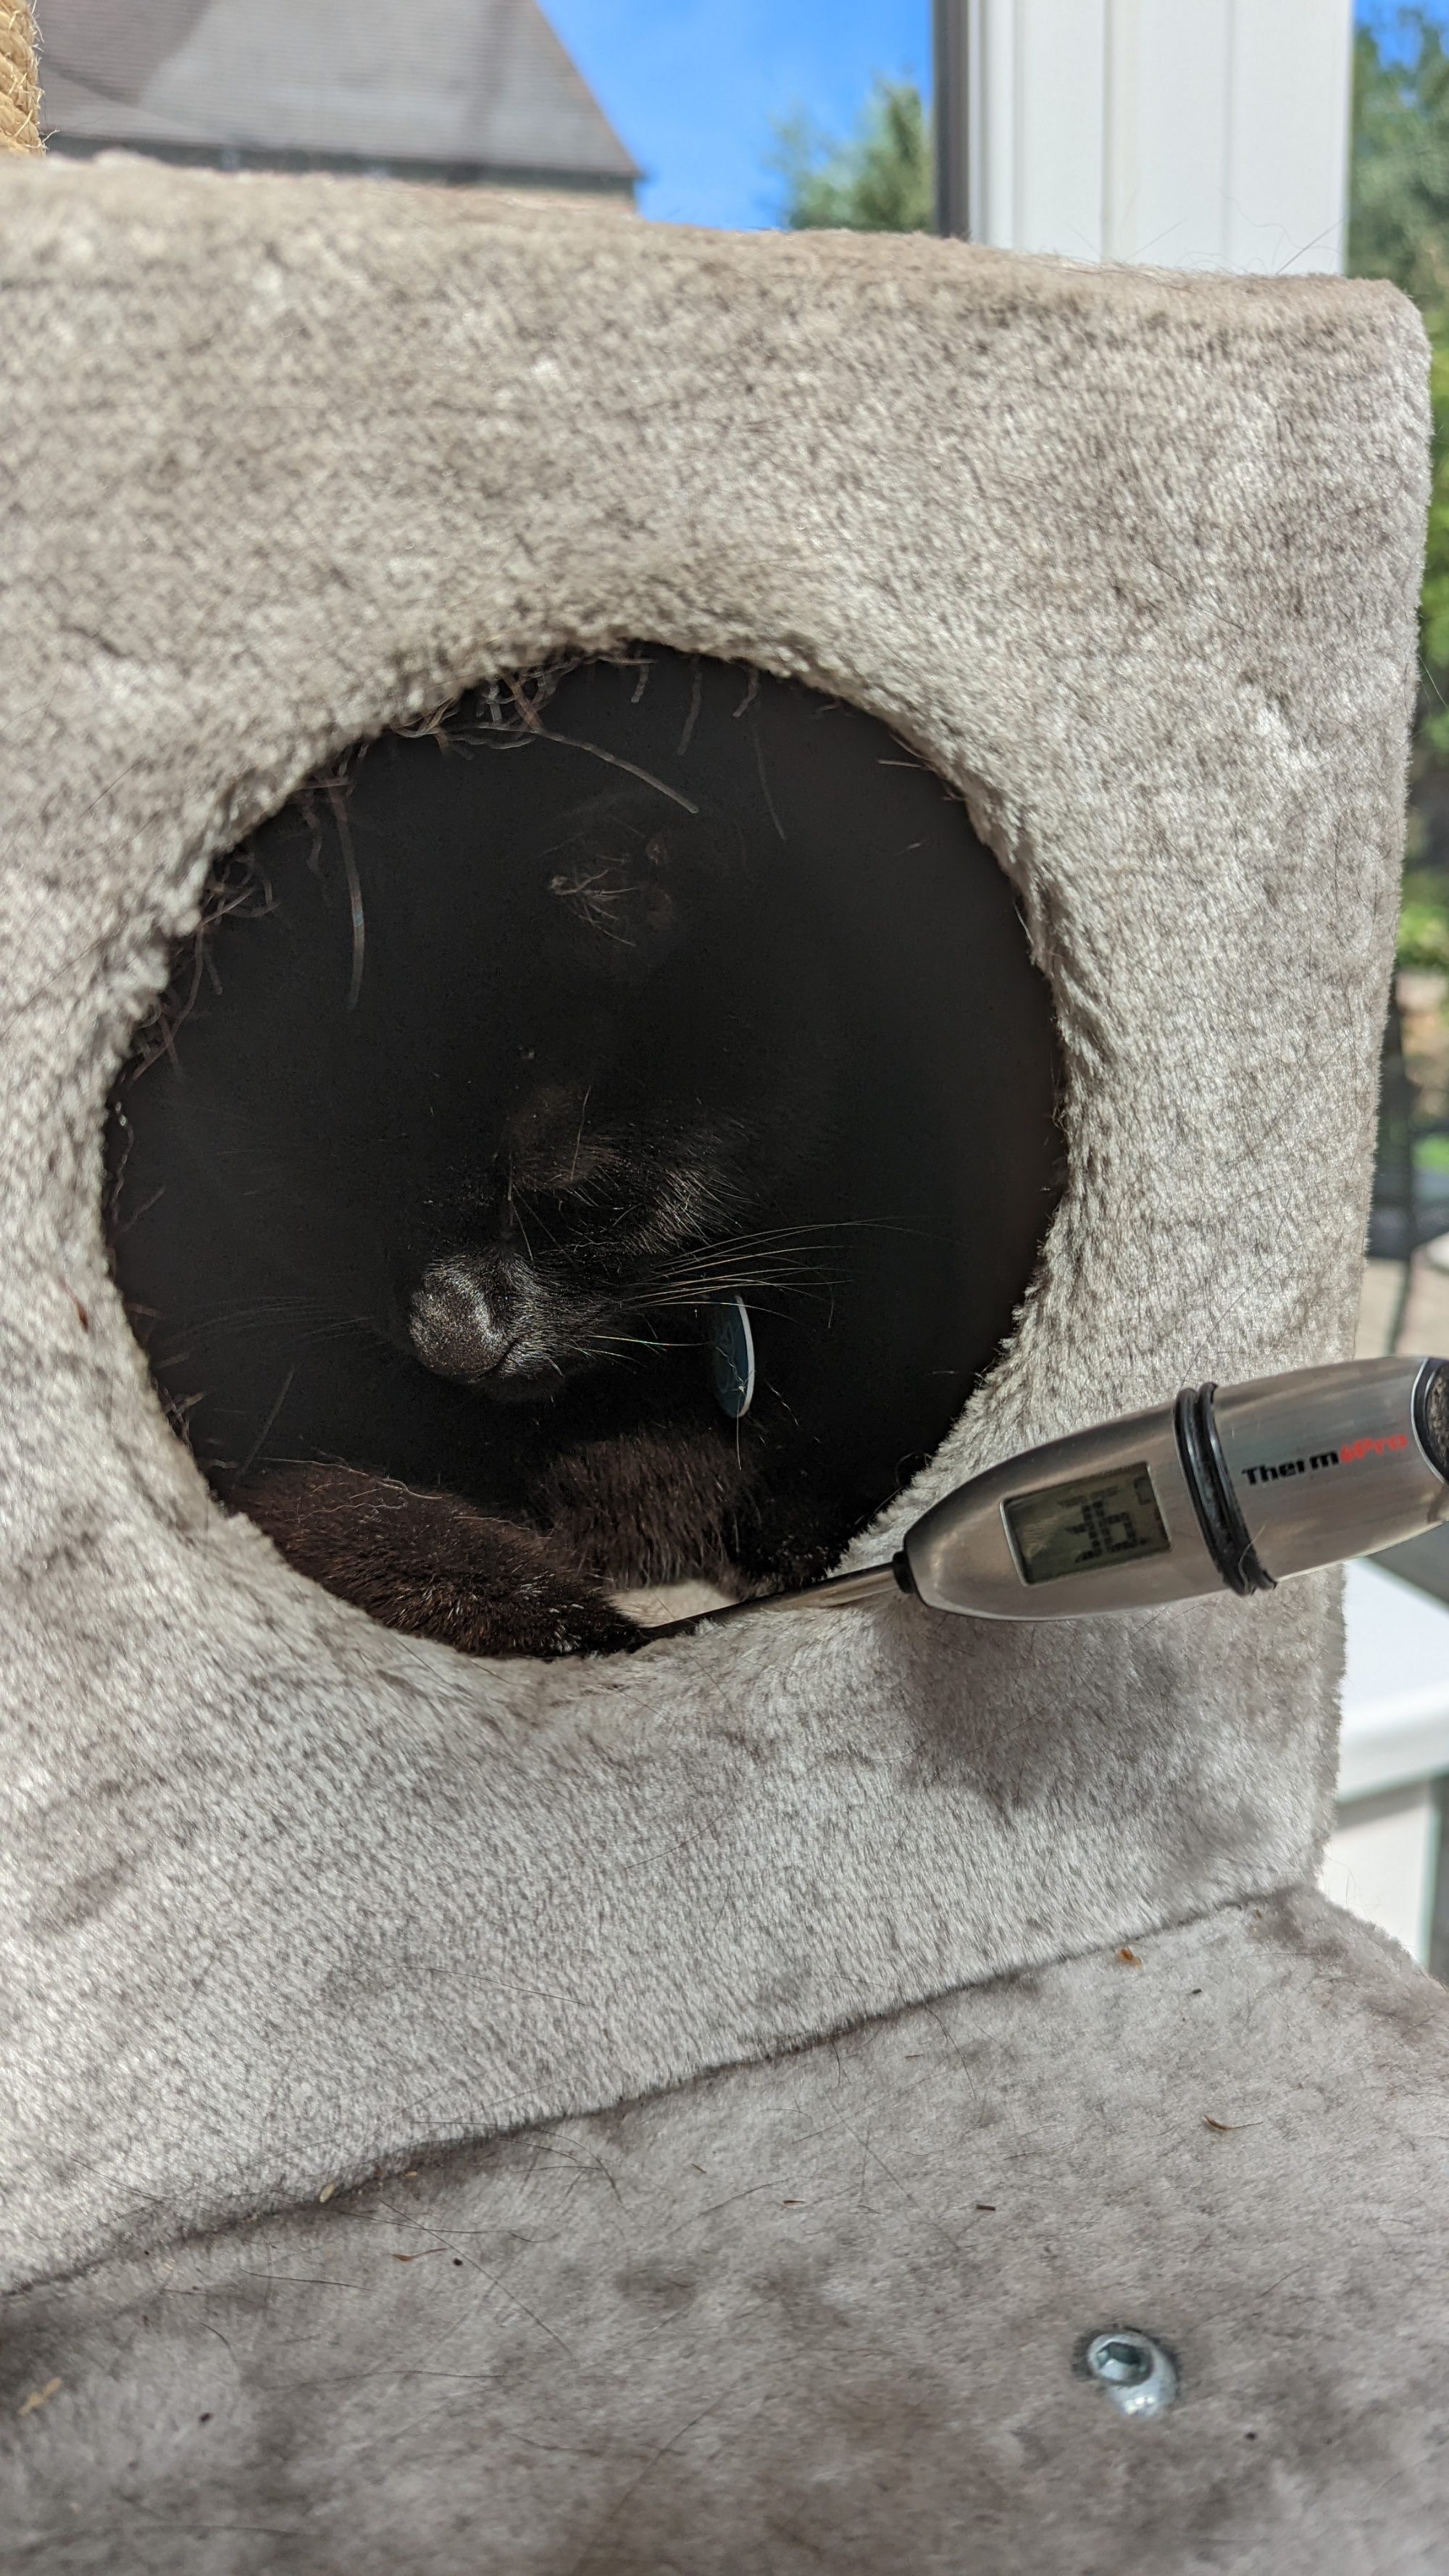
point(19, 86)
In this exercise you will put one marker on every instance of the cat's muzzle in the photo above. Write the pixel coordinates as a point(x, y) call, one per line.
point(481, 1318)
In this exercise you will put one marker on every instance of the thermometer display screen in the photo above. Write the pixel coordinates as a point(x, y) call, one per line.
point(1097, 1521)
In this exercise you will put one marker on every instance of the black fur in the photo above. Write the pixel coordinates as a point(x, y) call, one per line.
point(502, 1053)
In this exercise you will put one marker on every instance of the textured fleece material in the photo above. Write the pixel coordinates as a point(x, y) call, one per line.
point(1131, 559)
point(823, 2314)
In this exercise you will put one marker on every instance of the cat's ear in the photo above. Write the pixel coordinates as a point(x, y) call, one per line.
point(634, 886)
point(617, 895)
point(617, 903)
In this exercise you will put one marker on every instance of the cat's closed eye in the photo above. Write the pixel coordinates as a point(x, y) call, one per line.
point(549, 1145)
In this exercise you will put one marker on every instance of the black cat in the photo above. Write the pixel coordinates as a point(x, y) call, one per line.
point(506, 1058)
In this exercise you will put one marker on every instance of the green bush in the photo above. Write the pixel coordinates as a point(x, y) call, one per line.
point(1399, 228)
point(878, 182)
point(1423, 937)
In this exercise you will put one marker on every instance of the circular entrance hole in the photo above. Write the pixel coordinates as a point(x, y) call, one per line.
point(595, 1139)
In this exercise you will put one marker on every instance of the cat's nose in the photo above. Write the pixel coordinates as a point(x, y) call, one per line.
point(468, 1320)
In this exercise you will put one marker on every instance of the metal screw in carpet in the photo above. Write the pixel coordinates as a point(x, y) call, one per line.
point(1139, 2377)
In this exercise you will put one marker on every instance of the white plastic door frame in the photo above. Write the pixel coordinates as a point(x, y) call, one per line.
point(1204, 134)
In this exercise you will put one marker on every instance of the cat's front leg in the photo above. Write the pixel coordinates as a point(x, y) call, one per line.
point(432, 1565)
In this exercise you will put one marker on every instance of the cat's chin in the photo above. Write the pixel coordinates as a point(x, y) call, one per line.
point(520, 1386)
point(523, 1381)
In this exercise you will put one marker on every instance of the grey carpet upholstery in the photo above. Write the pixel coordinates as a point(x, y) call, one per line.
point(1131, 560)
point(823, 2314)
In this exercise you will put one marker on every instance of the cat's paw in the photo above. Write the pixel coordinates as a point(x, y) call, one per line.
point(548, 1616)
point(431, 1565)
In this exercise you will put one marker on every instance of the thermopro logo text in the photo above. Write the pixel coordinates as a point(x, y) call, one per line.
point(1367, 1447)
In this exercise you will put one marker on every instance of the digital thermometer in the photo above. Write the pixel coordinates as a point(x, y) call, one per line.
point(1230, 1488)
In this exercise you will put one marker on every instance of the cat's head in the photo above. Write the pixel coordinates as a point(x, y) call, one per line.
point(596, 1239)
point(673, 1076)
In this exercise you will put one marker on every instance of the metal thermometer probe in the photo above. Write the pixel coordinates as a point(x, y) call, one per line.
point(1230, 1488)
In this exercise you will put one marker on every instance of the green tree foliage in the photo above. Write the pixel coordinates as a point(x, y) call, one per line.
point(1423, 932)
point(1399, 220)
point(879, 181)
point(1399, 228)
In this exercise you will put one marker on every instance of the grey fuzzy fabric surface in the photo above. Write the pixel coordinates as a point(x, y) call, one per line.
point(1131, 559)
point(823, 2314)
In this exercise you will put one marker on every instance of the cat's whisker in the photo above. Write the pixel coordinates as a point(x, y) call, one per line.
point(784, 1233)
point(623, 1352)
point(819, 1290)
point(746, 1265)
point(730, 1283)
point(710, 1292)
point(716, 1255)
point(735, 1278)
point(769, 1247)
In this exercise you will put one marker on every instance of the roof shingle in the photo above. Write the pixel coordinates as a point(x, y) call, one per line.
point(471, 86)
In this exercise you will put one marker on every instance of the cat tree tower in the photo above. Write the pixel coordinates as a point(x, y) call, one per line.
point(696, 2113)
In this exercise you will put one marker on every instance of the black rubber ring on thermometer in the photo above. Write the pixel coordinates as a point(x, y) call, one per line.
point(1431, 1414)
point(1213, 1499)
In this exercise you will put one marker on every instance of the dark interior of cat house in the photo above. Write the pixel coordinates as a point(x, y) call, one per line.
point(594, 1139)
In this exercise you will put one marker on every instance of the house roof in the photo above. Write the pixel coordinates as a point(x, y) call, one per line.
point(466, 85)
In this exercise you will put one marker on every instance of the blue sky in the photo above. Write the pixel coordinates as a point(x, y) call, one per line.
point(692, 85)
point(1387, 19)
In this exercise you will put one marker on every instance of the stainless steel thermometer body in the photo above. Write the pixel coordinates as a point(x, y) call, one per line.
point(1230, 1488)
